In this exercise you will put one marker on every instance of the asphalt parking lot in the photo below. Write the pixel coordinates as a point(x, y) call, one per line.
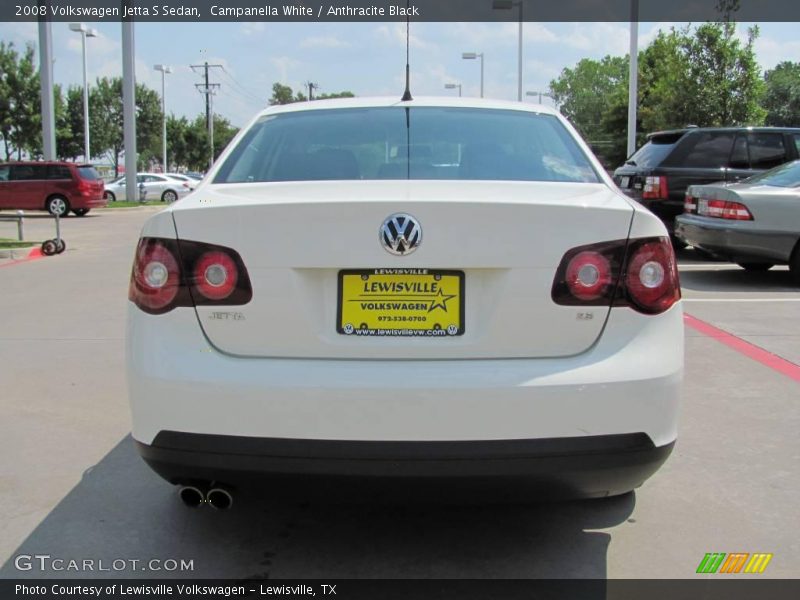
point(72, 485)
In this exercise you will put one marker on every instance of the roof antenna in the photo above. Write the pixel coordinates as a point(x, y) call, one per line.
point(407, 93)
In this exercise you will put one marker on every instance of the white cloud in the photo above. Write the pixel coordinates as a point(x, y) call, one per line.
point(253, 28)
point(395, 34)
point(19, 33)
point(770, 52)
point(284, 64)
point(324, 41)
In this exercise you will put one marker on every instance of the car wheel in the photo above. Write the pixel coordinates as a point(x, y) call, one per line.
point(756, 267)
point(109, 196)
point(794, 264)
point(80, 212)
point(700, 253)
point(677, 244)
point(169, 196)
point(57, 205)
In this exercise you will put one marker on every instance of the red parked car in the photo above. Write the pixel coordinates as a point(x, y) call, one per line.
point(57, 187)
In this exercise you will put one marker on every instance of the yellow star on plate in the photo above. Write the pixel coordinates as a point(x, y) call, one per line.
point(440, 301)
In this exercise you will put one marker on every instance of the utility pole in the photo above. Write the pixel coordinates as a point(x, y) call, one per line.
point(46, 85)
point(633, 77)
point(129, 109)
point(311, 88)
point(207, 88)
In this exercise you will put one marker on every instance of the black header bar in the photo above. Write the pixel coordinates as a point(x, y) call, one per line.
point(395, 10)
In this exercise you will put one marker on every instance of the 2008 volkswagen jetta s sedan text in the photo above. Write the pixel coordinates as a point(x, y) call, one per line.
point(448, 290)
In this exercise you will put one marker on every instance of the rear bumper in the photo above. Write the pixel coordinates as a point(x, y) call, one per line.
point(735, 241)
point(593, 466)
point(628, 382)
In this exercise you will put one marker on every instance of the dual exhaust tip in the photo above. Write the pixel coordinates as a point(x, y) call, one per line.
point(217, 497)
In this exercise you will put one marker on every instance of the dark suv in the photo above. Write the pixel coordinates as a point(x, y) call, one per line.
point(57, 187)
point(658, 174)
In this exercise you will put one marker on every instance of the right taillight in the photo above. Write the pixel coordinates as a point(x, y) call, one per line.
point(641, 274)
point(651, 276)
point(171, 273)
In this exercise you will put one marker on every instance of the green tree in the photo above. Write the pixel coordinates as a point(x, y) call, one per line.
point(188, 141)
point(782, 95)
point(177, 145)
point(583, 93)
point(69, 138)
point(283, 94)
point(587, 95)
point(20, 103)
point(706, 77)
point(723, 83)
point(344, 94)
point(106, 121)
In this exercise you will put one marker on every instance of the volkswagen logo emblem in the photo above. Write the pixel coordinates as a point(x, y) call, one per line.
point(400, 234)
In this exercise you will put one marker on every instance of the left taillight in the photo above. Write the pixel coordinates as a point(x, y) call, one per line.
point(171, 273)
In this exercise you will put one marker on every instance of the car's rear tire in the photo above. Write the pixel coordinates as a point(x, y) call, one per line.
point(677, 243)
point(169, 196)
point(109, 196)
point(703, 254)
point(794, 264)
point(756, 267)
point(57, 205)
point(81, 212)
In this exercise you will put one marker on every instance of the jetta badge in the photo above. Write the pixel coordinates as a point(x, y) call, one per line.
point(401, 234)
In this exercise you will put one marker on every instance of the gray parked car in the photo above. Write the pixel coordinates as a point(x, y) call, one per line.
point(754, 223)
point(157, 186)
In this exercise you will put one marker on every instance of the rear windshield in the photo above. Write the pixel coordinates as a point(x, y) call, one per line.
point(787, 176)
point(654, 151)
point(88, 173)
point(407, 143)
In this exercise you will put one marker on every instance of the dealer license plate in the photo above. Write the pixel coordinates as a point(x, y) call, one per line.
point(401, 303)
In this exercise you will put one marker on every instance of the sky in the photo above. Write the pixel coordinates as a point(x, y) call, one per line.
point(365, 58)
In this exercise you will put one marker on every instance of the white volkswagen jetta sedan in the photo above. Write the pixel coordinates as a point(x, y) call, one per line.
point(434, 289)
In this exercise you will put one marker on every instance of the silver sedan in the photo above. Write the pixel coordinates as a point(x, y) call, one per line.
point(156, 186)
point(754, 223)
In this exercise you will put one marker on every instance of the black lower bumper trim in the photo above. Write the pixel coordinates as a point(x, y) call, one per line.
point(586, 466)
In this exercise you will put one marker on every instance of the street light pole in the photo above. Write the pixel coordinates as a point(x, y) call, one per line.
point(473, 56)
point(164, 70)
point(46, 85)
point(633, 77)
point(452, 86)
point(508, 5)
point(85, 32)
point(540, 94)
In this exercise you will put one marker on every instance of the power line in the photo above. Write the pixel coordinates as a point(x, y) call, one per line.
point(241, 88)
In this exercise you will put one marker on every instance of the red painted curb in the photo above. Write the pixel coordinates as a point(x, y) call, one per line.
point(34, 254)
point(758, 354)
